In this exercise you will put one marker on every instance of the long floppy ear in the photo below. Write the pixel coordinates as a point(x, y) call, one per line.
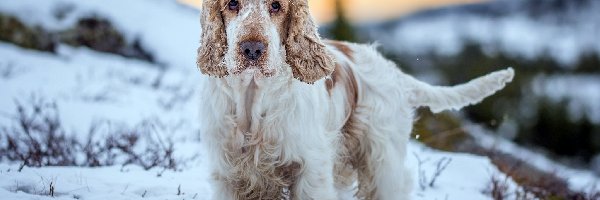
point(213, 41)
point(305, 52)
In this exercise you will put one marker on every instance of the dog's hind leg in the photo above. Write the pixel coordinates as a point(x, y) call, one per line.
point(379, 154)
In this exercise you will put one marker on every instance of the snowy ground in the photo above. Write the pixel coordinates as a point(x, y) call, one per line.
point(88, 86)
point(578, 180)
point(466, 177)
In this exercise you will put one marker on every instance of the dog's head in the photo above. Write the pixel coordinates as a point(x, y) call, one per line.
point(264, 36)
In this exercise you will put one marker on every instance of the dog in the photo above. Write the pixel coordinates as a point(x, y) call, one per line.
point(288, 115)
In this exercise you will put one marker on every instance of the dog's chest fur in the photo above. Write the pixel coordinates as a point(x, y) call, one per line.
point(258, 165)
point(261, 149)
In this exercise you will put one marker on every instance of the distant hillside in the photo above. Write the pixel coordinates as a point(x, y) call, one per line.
point(561, 29)
point(499, 8)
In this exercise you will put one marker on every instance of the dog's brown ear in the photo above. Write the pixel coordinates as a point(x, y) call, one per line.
point(213, 41)
point(305, 52)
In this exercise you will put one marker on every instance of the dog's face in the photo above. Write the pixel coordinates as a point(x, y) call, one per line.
point(262, 37)
point(254, 30)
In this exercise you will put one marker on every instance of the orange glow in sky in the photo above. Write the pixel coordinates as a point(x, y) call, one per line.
point(368, 10)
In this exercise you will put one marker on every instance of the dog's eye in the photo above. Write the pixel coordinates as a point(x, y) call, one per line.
point(275, 7)
point(233, 5)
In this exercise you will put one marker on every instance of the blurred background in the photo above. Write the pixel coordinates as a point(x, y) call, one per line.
point(552, 107)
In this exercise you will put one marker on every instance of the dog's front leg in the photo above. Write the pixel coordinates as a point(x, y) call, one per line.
point(216, 132)
point(221, 190)
point(316, 179)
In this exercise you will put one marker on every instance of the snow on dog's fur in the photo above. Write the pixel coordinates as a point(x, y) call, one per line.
point(288, 115)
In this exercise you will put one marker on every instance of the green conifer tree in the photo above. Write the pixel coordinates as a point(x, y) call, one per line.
point(341, 28)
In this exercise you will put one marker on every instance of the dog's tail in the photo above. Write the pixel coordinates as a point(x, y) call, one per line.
point(440, 98)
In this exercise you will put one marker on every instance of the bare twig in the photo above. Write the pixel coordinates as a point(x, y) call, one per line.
point(22, 166)
point(499, 189)
point(422, 176)
point(440, 167)
point(52, 187)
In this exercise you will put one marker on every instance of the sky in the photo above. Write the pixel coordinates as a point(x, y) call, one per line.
point(369, 10)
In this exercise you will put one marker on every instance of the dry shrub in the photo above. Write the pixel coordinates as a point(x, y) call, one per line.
point(37, 138)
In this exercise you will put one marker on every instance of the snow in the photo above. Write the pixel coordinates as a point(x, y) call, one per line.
point(578, 180)
point(466, 177)
point(101, 183)
point(169, 30)
point(104, 86)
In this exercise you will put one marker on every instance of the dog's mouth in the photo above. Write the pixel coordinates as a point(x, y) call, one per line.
point(254, 68)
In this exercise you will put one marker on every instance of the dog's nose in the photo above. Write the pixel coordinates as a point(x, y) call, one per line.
point(253, 50)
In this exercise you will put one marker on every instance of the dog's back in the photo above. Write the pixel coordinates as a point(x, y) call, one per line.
point(381, 76)
point(376, 132)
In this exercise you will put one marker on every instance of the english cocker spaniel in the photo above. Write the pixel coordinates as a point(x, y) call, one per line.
point(287, 115)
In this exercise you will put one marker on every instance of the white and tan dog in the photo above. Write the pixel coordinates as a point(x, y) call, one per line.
point(289, 116)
